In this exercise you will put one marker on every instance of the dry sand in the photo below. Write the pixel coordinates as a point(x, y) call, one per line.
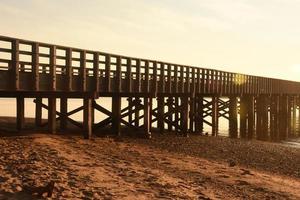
point(166, 167)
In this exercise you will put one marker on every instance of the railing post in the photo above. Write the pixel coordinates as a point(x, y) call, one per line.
point(15, 65)
point(53, 67)
point(35, 66)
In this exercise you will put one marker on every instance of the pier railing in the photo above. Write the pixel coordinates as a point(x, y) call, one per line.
point(35, 66)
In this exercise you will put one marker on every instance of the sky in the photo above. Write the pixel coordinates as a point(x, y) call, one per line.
point(257, 37)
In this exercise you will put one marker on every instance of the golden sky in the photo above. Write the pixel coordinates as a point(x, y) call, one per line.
point(260, 37)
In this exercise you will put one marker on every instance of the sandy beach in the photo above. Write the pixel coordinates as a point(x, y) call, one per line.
point(165, 167)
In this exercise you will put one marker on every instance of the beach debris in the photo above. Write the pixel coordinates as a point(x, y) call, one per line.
point(40, 190)
point(231, 163)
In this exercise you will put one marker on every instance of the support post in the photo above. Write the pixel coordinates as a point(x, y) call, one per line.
point(251, 117)
point(160, 114)
point(87, 118)
point(20, 113)
point(63, 112)
point(233, 117)
point(170, 117)
point(215, 116)
point(243, 117)
point(116, 115)
point(38, 112)
point(185, 115)
point(52, 114)
point(137, 113)
point(147, 117)
point(283, 114)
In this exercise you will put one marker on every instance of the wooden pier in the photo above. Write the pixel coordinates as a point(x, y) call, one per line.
point(175, 97)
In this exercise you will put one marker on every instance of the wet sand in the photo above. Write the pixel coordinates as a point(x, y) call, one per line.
point(165, 167)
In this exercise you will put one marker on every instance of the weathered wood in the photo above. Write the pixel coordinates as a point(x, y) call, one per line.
point(116, 115)
point(69, 69)
point(250, 117)
point(38, 112)
point(52, 115)
point(20, 113)
point(15, 76)
point(53, 67)
point(185, 115)
point(35, 66)
point(83, 70)
point(283, 114)
point(96, 71)
point(147, 118)
point(118, 77)
point(63, 112)
point(215, 118)
point(233, 117)
point(137, 114)
point(87, 118)
point(160, 113)
point(129, 75)
point(107, 73)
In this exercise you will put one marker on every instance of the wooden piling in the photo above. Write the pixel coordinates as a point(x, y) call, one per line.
point(250, 117)
point(147, 117)
point(52, 114)
point(283, 114)
point(38, 112)
point(185, 115)
point(116, 115)
point(87, 118)
point(160, 114)
point(233, 117)
point(243, 117)
point(63, 112)
point(20, 113)
point(215, 115)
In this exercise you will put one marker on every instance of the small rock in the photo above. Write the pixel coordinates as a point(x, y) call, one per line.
point(232, 163)
point(19, 188)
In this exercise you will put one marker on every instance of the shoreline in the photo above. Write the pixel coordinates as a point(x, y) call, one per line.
point(166, 166)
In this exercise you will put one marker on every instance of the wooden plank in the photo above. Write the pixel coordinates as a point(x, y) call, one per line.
point(15, 77)
point(35, 66)
point(53, 67)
